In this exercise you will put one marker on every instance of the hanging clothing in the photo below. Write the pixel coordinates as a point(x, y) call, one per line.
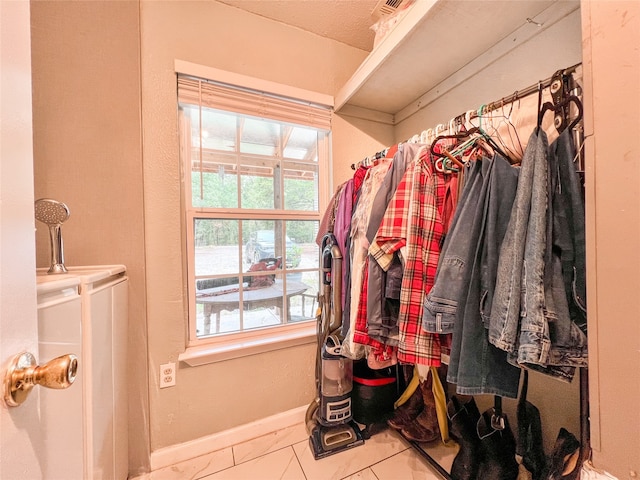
point(452, 276)
point(530, 316)
point(358, 253)
point(506, 308)
point(464, 277)
point(412, 225)
point(357, 181)
point(379, 354)
point(565, 316)
point(383, 308)
point(341, 231)
point(405, 154)
point(328, 219)
point(569, 226)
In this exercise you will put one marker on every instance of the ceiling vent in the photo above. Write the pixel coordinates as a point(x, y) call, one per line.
point(389, 7)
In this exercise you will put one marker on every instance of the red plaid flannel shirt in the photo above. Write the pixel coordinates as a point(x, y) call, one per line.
point(413, 219)
point(360, 329)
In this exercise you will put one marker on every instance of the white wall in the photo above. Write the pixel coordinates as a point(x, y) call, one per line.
point(355, 139)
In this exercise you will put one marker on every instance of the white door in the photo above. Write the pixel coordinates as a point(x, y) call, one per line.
point(20, 435)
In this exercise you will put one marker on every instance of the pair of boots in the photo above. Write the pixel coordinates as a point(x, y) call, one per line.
point(486, 452)
point(417, 419)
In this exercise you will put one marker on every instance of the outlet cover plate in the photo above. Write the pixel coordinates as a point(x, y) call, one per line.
point(167, 375)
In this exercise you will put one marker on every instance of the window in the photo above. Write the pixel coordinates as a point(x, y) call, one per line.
point(253, 165)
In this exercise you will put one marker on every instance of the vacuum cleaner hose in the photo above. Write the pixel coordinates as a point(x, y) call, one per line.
point(310, 415)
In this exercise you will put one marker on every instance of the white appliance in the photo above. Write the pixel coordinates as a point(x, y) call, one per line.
point(85, 312)
point(59, 333)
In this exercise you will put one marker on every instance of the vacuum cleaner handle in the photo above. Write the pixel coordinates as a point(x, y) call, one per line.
point(332, 279)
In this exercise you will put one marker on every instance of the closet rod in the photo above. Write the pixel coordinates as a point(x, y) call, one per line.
point(519, 94)
point(366, 160)
point(529, 90)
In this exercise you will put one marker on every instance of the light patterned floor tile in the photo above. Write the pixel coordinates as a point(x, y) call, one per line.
point(269, 443)
point(366, 474)
point(279, 465)
point(411, 465)
point(343, 464)
point(196, 468)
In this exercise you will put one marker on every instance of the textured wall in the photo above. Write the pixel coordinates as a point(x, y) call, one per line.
point(611, 39)
point(215, 397)
point(87, 153)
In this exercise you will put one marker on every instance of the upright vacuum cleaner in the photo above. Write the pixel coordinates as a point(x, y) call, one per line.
point(329, 419)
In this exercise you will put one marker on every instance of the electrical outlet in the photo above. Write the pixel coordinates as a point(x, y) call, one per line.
point(167, 375)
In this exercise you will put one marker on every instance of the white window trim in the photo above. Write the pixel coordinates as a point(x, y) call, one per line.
point(249, 343)
point(241, 344)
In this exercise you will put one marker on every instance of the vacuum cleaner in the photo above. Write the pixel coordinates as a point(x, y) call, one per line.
point(329, 418)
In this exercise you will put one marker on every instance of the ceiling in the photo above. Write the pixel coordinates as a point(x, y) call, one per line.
point(347, 21)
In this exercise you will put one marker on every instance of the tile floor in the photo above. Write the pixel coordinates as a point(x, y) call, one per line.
point(285, 454)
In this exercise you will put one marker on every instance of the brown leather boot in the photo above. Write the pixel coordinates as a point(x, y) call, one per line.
point(425, 427)
point(407, 412)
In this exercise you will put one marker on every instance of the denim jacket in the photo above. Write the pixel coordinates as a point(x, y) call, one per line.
point(530, 316)
point(452, 276)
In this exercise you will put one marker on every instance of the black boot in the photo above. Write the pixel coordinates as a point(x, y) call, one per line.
point(529, 445)
point(463, 419)
point(498, 447)
point(563, 462)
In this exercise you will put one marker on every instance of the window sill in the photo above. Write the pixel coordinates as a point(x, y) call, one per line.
point(233, 347)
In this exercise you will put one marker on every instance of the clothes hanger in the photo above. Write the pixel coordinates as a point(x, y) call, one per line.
point(475, 134)
point(485, 135)
point(444, 153)
point(559, 107)
point(505, 119)
point(493, 137)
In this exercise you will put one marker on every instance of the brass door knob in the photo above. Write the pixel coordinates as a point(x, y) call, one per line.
point(23, 374)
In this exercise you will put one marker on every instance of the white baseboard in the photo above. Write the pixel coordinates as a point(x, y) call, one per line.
point(167, 456)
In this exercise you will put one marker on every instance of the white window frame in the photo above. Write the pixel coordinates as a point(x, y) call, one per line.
point(205, 350)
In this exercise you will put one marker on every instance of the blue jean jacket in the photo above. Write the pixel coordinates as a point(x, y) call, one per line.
point(530, 315)
point(465, 276)
point(452, 275)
